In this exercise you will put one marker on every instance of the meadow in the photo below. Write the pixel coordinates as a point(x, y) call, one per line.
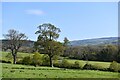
point(10, 70)
point(23, 71)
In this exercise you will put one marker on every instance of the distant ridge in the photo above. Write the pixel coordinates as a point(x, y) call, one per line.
point(95, 41)
point(85, 42)
point(28, 43)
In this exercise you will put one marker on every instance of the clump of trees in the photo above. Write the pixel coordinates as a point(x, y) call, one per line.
point(107, 53)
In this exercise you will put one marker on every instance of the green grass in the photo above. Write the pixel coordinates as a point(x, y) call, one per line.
point(98, 63)
point(82, 62)
point(20, 56)
point(23, 71)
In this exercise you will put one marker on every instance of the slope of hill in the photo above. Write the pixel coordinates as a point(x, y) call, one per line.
point(95, 41)
point(28, 43)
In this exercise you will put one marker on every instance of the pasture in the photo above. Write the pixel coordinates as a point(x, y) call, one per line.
point(10, 70)
point(24, 71)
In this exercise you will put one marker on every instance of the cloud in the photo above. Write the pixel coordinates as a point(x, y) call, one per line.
point(35, 12)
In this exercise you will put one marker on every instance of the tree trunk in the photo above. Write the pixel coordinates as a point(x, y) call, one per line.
point(14, 59)
point(51, 63)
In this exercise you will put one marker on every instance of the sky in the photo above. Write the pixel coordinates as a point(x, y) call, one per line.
point(77, 20)
point(60, 0)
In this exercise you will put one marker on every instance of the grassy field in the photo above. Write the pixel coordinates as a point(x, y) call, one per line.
point(98, 63)
point(23, 71)
point(82, 62)
point(19, 56)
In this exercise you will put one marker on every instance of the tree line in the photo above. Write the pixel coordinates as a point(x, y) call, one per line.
point(106, 53)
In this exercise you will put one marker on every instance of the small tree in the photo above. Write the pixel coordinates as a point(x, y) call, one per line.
point(15, 41)
point(37, 59)
point(114, 66)
point(65, 44)
point(66, 41)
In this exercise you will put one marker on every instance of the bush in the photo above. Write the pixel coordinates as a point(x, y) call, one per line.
point(45, 60)
point(76, 65)
point(19, 62)
point(65, 64)
point(119, 68)
point(114, 66)
point(88, 67)
point(37, 59)
point(57, 64)
point(27, 60)
point(9, 56)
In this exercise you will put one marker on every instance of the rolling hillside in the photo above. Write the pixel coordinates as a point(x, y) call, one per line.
point(28, 43)
point(96, 41)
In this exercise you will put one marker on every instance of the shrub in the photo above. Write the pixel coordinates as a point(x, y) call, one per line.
point(76, 65)
point(88, 67)
point(27, 60)
point(57, 63)
point(19, 62)
point(37, 59)
point(114, 66)
point(119, 68)
point(45, 60)
point(9, 56)
point(55, 59)
point(65, 64)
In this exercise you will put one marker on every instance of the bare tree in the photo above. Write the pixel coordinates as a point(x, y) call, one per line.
point(15, 41)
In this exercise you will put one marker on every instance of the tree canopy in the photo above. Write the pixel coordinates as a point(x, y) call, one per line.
point(47, 40)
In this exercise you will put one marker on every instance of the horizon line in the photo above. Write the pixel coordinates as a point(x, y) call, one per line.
point(75, 40)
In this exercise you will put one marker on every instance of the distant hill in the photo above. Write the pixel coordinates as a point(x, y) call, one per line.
point(95, 41)
point(28, 43)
